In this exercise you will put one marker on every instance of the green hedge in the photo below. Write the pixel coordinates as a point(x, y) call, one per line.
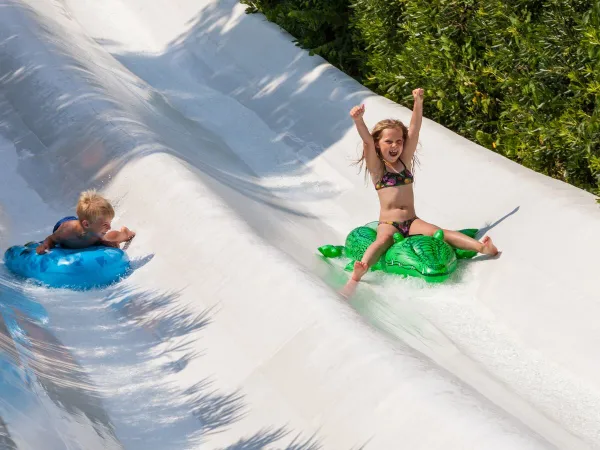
point(519, 77)
point(320, 26)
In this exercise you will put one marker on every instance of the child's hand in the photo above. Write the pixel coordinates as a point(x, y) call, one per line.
point(418, 94)
point(357, 112)
point(128, 233)
point(41, 249)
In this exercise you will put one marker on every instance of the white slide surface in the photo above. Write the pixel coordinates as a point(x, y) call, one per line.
point(229, 151)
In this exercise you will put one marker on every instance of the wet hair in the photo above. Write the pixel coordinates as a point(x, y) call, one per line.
point(92, 205)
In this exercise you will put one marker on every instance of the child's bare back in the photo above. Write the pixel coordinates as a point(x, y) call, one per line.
point(71, 234)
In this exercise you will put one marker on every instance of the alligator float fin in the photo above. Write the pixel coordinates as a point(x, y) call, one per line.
point(331, 251)
point(471, 232)
point(467, 254)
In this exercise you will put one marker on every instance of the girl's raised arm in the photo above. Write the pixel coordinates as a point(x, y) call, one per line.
point(369, 152)
point(410, 146)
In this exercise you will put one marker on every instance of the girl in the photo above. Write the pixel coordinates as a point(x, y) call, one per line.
point(388, 151)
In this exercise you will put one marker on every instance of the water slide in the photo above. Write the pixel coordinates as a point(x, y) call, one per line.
point(229, 151)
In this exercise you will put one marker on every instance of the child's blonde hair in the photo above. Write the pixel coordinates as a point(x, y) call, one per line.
point(376, 134)
point(92, 205)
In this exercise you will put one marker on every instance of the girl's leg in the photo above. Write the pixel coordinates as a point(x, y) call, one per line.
point(383, 242)
point(455, 238)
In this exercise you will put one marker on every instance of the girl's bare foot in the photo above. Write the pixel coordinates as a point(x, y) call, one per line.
point(488, 247)
point(360, 268)
point(348, 290)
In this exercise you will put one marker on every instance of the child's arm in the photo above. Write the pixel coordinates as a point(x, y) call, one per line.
point(357, 115)
point(49, 243)
point(369, 152)
point(64, 233)
point(117, 237)
point(410, 146)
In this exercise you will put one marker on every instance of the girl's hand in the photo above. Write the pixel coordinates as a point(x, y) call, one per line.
point(357, 112)
point(418, 94)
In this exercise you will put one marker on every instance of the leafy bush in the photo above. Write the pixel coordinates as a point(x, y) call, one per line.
point(519, 77)
point(320, 26)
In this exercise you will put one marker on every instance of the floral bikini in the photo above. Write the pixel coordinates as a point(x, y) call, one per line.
point(393, 179)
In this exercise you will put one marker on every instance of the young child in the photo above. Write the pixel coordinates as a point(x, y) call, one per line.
point(90, 227)
point(388, 152)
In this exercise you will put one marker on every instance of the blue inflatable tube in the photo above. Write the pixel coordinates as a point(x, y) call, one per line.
point(88, 268)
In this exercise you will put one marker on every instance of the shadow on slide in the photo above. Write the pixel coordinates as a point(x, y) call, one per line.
point(148, 328)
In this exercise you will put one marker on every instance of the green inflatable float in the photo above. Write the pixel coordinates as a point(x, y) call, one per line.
point(427, 257)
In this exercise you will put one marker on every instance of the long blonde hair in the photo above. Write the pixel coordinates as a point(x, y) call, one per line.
point(376, 134)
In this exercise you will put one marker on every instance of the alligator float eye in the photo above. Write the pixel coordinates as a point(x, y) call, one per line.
point(398, 237)
point(439, 235)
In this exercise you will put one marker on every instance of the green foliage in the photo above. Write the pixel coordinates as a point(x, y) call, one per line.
point(519, 77)
point(321, 26)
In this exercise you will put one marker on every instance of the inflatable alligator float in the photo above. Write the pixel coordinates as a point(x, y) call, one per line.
point(427, 257)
